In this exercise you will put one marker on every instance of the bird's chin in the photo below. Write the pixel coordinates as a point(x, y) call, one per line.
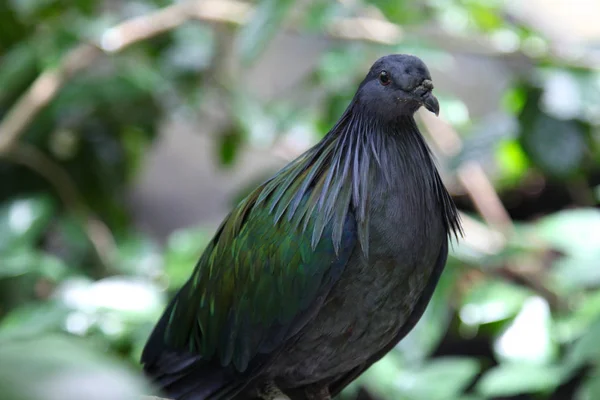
point(430, 102)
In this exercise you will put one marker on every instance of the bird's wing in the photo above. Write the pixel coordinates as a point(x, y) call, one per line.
point(264, 275)
point(343, 381)
point(251, 285)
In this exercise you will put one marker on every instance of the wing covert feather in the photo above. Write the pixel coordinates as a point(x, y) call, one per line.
point(257, 283)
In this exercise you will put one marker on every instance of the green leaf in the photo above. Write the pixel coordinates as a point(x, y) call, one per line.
point(113, 308)
point(483, 137)
point(380, 378)
point(562, 95)
point(184, 248)
point(585, 311)
point(135, 144)
point(320, 14)
point(491, 301)
point(253, 120)
point(131, 298)
point(18, 263)
point(17, 69)
point(556, 146)
point(32, 320)
point(585, 350)
point(400, 12)
point(138, 255)
point(487, 18)
point(452, 375)
point(575, 233)
point(229, 143)
point(457, 114)
point(22, 221)
point(514, 379)
point(64, 368)
point(570, 93)
point(590, 93)
point(13, 27)
point(28, 8)
point(339, 69)
point(514, 99)
point(572, 231)
point(590, 389)
point(74, 239)
point(253, 37)
point(528, 337)
point(193, 50)
point(391, 381)
point(22, 261)
point(575, 272)
point(512, 161)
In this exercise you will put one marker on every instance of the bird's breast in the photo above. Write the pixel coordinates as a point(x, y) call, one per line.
point(375, 295)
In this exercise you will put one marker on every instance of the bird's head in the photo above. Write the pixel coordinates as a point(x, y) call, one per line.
point(397, 85)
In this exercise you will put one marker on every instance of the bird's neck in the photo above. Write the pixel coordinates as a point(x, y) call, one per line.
point(392, 153)
point(340, 173)
point(394, 149)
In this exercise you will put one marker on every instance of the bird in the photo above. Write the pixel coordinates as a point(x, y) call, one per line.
point(323, 268)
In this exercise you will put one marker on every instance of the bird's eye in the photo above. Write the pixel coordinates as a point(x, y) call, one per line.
point(384, 78)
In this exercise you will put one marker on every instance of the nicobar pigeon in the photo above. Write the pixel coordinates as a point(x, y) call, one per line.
point(322, 269)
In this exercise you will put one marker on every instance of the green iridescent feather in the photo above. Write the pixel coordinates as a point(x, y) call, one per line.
point(277, 253)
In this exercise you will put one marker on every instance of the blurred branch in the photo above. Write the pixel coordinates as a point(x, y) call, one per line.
point(137, 29)
point(146, 26)
point(41, 92)
point(471, 175)
point(581, 192)
point(535, 283)
point(474, 179)
point(480, 237)
point(98, 234)
point(489, 239)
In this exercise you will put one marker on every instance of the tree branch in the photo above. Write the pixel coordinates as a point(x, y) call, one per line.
point(96, 231)
point(470, 175)
point(48, 84)
point(137, 29)
point(493, 238)
point(154, 398)
point(41, 92)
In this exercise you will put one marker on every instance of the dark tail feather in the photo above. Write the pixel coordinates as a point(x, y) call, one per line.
point(181, 375)
point(186, 377)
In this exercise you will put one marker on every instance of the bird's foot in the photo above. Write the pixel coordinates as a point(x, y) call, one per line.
point(318, 393)
point(270, 391)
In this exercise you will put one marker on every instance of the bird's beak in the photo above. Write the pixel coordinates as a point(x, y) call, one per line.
point(431, 103)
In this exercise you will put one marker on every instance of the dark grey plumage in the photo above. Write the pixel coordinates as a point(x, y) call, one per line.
point(370, 188)
point(408, 216)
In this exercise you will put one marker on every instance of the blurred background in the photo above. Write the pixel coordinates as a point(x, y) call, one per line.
point(128, 129)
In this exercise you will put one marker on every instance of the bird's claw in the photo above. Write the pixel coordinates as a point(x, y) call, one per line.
point(318, 393)
point(270, 391)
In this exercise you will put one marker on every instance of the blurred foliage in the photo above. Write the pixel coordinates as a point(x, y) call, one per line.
point(72, 320)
